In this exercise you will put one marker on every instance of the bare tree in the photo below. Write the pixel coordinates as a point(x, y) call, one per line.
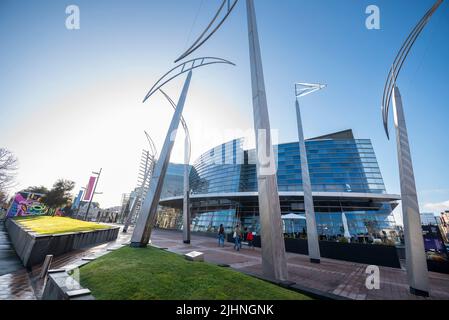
point(8, 169)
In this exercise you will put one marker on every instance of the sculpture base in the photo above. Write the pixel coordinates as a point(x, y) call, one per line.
point(315, 260)
point(420, 293)
point(286, 283)
point(137, 245)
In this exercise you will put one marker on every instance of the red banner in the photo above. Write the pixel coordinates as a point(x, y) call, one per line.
point(89, 189)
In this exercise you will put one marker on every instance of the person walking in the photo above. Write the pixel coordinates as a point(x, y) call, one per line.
point(221, 236)
point(250, 239)
point(237, 237)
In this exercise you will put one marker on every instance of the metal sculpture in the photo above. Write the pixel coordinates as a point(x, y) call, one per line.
point(147, 217)
point(301, 90)
point(274, 262)
point(211, 28)
point(399, 62)
point(416, 262)
point(187, 152)
point(184, 68)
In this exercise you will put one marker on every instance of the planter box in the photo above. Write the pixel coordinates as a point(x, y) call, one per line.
point(434, 266)
point(370, 254)
point(32, 248)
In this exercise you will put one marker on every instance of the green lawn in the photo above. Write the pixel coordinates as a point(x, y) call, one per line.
point(57, 225)
point(154, 274)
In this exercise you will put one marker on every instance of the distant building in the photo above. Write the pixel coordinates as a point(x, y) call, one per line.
point(444, 224)
point(428, 218)
point(108, 215)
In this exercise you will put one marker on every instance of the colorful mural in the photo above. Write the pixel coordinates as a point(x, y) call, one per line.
point(26, 204)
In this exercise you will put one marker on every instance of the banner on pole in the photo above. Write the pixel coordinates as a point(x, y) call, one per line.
point(89, 190)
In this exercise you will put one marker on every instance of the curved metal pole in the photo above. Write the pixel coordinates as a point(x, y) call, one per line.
point(153, 148)
point(392, 76)
point(402, 55)
point(416, 264)
point(184, 68)
point(187, 153)
point(399, 62)
point(204, 36)
point(147, 217)
point(183, 122)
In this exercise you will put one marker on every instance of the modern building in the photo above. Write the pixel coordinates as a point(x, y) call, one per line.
point(345, 178)
point(428, 218)
point(94, 210)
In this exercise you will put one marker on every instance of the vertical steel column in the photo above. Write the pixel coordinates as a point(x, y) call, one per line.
point(274, 262)
point(415, 255)
point(312, 234)
point(186, 205)
point(147, 217)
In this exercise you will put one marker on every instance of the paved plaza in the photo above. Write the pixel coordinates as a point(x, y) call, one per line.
point(341, 279)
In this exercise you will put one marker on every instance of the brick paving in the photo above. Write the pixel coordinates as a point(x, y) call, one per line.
point(341, 278)
point(344, 279)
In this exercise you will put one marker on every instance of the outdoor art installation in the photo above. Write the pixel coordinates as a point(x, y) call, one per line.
point(26, 204)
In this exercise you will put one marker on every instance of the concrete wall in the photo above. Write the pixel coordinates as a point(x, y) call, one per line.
point(60, 286)
point(32, 248)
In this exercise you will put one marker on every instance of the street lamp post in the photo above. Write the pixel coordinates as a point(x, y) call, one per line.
point(301, 90)
point(93, 193)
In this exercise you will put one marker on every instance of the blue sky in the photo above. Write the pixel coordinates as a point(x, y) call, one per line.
point(71, 99)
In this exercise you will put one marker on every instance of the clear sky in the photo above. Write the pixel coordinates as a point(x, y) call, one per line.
point(71, 100)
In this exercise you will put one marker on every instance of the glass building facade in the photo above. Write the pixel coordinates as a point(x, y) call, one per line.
point(345, 178)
